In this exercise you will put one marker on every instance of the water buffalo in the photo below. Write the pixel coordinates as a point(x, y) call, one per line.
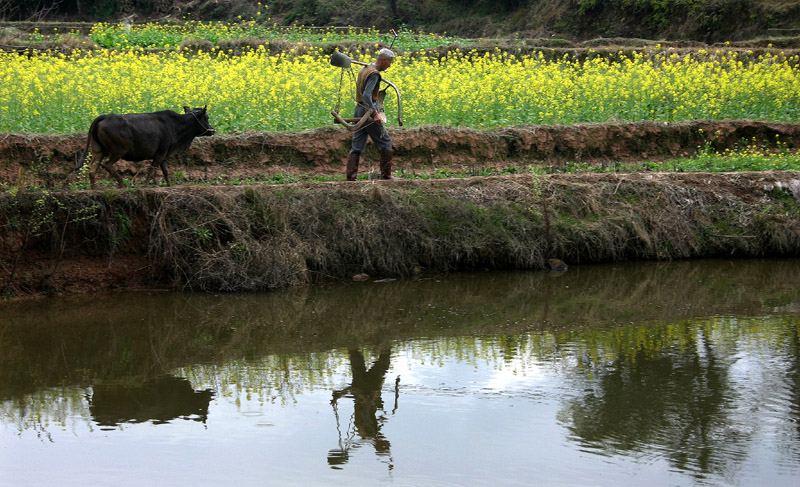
point(143, 136)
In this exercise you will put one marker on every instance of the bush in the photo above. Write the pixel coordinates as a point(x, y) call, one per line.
point(197, 45)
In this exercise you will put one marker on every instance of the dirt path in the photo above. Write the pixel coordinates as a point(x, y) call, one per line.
point(46, 159)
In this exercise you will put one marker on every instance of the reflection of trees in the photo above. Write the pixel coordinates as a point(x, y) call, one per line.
point(274, 378)
point(139, 336)
point(275, 345)
point(365, 390)
point(668, 398)
point(38, 412)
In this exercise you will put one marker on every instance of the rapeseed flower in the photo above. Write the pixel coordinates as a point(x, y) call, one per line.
point(295, 91)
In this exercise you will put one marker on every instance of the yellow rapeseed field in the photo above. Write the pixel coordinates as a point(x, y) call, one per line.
point(262, 92)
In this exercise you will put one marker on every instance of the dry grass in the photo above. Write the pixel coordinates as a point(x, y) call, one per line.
point(262, 237)
point(257, 238)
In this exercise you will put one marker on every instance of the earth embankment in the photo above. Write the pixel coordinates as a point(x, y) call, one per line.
point(257, 237)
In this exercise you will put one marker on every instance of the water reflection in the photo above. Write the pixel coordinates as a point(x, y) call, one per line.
point(695, 393)
point(668, 400)
point(688, 369)
point(136, 337)
point(365, 391)
point(158, 400)
point(793, 356)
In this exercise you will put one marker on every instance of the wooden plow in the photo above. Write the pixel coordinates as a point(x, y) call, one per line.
point(343, 61)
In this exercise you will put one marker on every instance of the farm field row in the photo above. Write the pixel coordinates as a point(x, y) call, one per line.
point(749, 157)
point(257, 91)
point(39, 161)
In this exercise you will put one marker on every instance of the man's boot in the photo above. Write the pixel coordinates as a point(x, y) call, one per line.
point(386, 164)
point(352, 166)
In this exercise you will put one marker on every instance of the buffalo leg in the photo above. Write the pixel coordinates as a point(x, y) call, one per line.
point(151, 171)
point(151, 175)
point(165, 172)
point(94, 165)
point(109, 166)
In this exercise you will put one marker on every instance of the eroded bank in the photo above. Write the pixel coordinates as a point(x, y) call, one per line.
point(237, 238)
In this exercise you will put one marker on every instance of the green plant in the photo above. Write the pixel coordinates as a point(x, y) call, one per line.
point(123, 232)
point(202, 235)
point(81, 179)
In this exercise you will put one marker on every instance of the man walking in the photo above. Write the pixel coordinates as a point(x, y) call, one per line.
point(367, 85)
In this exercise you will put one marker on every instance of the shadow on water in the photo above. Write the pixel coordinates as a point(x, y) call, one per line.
point(654, 350)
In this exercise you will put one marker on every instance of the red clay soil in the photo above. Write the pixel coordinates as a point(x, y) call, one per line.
point(47, 159)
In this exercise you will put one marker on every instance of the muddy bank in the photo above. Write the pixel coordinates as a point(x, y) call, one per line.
point(264, 237)
point(46, 159)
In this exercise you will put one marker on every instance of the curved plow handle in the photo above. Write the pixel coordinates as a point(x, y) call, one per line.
point(399, 102)
point(353, 124)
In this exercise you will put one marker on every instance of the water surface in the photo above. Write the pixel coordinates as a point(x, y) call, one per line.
point(655, 374)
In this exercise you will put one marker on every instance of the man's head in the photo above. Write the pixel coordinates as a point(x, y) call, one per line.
point(384, 59)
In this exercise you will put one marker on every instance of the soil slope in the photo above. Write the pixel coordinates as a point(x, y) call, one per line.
point(239, 238)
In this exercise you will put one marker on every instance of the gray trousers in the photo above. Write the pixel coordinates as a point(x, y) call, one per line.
point(376, 131)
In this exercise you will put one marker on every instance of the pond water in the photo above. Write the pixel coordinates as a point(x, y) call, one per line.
point(658, 374)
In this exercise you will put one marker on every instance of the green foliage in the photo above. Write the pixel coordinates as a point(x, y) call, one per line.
point(103, 9)
point(202, 235)
point(170, 35)
point(749, 155)
point(123, 225)
point(80, 180)
point(709, 20)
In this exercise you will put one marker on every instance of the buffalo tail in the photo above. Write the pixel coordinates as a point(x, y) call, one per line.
point(92, 133)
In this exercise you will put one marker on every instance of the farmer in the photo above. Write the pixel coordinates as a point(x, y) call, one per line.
point(367, 83)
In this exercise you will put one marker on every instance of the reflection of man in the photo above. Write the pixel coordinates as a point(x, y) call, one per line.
point(367, 97)
point(366, 393)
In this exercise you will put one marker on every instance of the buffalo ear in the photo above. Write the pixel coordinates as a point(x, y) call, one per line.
point(186, 109)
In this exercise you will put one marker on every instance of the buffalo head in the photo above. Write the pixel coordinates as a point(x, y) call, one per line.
point(201, 115)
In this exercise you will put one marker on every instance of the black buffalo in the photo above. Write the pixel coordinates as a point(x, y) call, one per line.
point(143, 136)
